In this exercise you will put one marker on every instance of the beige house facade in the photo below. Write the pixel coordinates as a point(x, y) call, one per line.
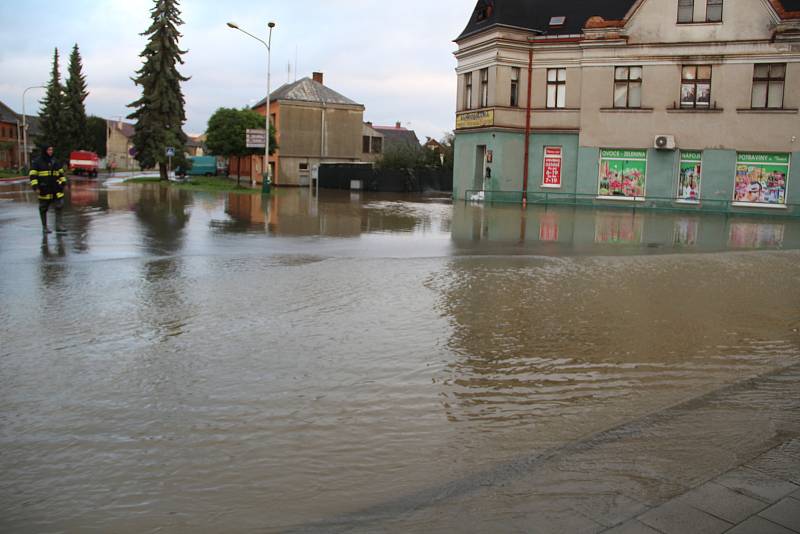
point(313, 124)
point(651, 102)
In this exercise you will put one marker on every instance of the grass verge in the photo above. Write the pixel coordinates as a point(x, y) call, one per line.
point(200, 183)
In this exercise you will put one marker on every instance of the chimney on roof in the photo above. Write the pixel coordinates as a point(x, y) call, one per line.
point(318, 77)
point(397, 125)
point(369, 124)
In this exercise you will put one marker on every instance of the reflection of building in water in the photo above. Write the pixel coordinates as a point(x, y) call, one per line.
point(686, 229)
point(756, 235)
point(625, 228)
point(553, 230)
point(83, 193)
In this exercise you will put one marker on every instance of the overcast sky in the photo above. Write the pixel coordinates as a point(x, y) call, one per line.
point(395, 58)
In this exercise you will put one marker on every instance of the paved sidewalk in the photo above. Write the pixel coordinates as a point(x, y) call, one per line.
point(759, 497)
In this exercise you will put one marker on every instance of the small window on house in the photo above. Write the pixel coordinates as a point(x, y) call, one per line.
point(484, 88)
point(696, 86)
point(468, 90)
point(556, 88)
point(557, 21)
point(768, 83)
point(377, 145)
point(514, 87)
point(714, 11)
point(484, 10)
point(628, 87)
point(685, 11)
point(304, 166)
point(365, 144)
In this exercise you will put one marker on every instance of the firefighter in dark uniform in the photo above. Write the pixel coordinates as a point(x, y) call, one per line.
point(48, 180)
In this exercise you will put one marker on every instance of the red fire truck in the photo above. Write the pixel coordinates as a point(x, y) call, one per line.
point(84, 162)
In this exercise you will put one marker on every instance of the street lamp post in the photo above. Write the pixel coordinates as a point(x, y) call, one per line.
point(25, 123)
point(267, 175)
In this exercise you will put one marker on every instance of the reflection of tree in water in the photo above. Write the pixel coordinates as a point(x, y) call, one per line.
point(163, 214)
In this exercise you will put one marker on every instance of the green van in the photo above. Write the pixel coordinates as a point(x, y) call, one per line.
point(201, 166)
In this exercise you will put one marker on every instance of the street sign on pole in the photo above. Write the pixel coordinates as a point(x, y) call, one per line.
point(170, 151)
point(255, 138)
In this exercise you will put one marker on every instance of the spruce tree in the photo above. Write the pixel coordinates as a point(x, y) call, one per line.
point(160, 112)
point(52, 113)
point(75, 134)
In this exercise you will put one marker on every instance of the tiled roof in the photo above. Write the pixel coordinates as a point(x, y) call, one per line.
point(308, 90)
point(393, 135)
point(537, 14)
point(127, 128)
point(7, 114)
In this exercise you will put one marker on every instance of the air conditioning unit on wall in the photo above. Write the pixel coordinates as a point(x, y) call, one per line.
point(664, 142)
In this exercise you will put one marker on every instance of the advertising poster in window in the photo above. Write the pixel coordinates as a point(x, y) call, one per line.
point(690, 174)
point(622, 173)
point(761, 178)
point(551, 174)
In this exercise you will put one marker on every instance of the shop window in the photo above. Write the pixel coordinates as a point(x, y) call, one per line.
point(514, 87)
point(768, 84)
point(696, 86)
point(622, 174)
point(484, 88)
point(628, 87)
point(690, 176)
point(556, 88)
point(761, 178)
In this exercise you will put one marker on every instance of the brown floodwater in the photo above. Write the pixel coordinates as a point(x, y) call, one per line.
point(195, 362)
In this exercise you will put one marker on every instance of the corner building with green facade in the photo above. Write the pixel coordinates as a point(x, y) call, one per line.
point(687, 104)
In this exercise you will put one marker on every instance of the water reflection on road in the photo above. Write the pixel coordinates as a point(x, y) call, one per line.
point(200, 362)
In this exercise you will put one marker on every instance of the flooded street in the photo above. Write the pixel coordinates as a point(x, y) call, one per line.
point(196, 362)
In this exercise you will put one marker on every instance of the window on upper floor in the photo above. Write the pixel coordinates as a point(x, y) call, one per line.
point(484, 88)
point(714, 11)
point(556, 88)
point(468, 90)
point(365, 144)
point(628, 87)
point(377, 145)
point(768, 83)
point(514, 87)
point(696, 86)
point(686, 12)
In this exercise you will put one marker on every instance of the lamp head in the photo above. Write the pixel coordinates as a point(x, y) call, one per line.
point(271, 24)
point(233, 25)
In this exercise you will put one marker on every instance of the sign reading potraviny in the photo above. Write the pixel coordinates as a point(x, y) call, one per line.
point(255, 138)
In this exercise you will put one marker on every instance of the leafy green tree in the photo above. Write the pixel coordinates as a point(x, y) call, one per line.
point(226, 132)
point(401, 156)
point(52, 113)
point(160, 111)
point(75, 134)
point(96, 132)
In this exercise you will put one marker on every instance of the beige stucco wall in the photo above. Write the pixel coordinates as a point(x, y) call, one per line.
point(655, 22)
point(654, 40)
point(301, 138)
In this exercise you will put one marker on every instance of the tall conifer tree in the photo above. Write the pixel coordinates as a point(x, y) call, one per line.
point(160, 112)
point(75, 134)
point(52, 112)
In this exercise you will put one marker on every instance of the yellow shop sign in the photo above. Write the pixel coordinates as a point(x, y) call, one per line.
point(475, 119)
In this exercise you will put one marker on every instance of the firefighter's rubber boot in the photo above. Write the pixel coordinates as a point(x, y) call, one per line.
point(43, 217)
